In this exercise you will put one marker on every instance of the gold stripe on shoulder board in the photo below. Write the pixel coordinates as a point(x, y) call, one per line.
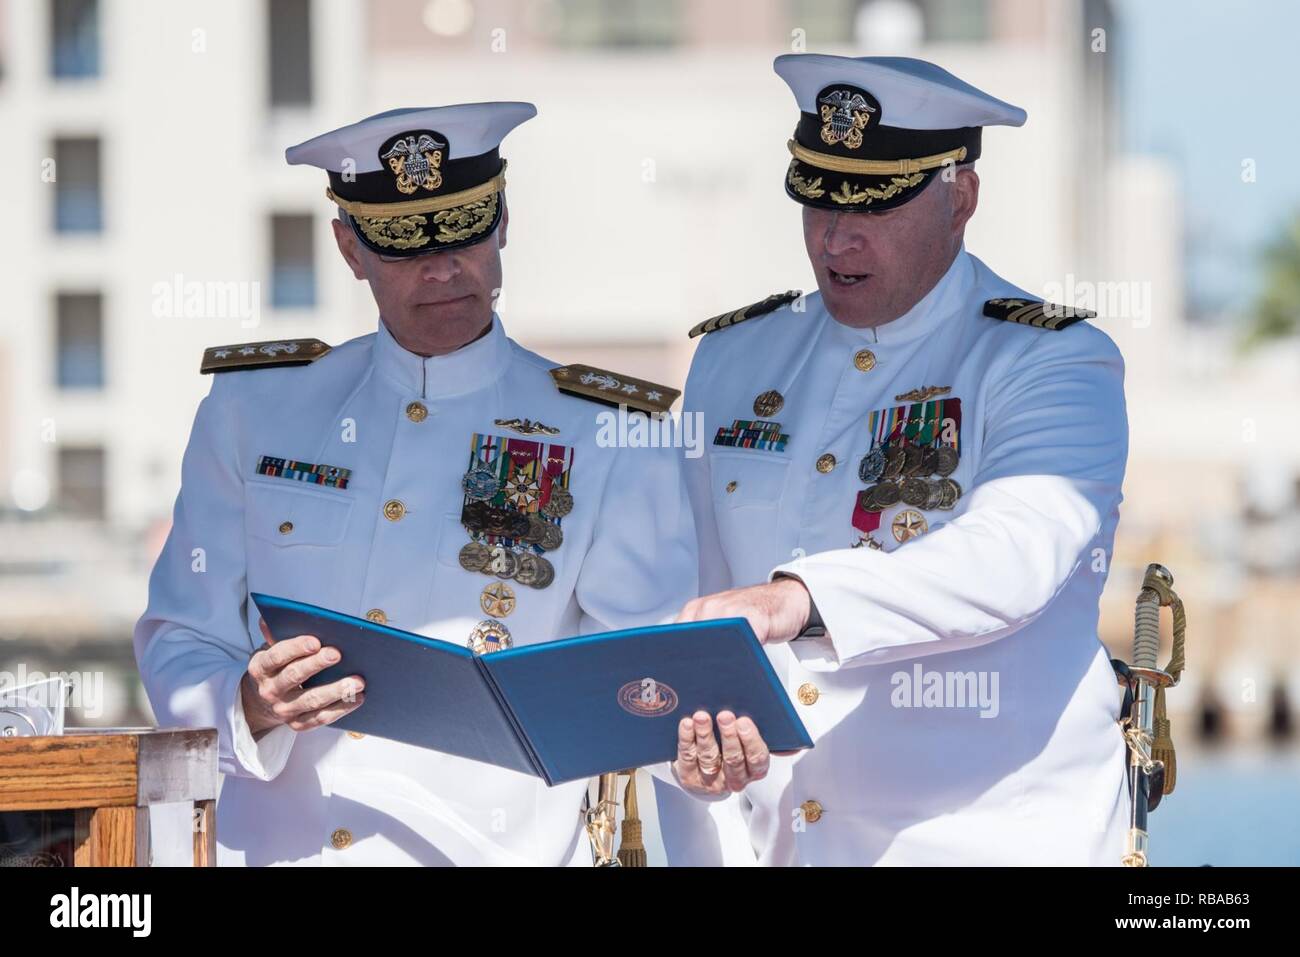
point(611, 388)
point(752, 311)
point(1031, 312)
point(262, 355)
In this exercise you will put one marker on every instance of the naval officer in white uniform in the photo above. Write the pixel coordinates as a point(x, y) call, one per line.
point(434, 476)
point(911, 492)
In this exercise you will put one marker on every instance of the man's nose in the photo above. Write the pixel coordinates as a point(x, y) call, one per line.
point(440, 267)
point(843, 235)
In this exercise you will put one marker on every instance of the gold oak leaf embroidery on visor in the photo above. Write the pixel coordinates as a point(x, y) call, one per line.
point(465, 221)
point(867, 195)
point(399, 232)
point(407, 232)
point(803, 187)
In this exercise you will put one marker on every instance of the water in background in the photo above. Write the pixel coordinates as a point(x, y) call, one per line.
point(1231, 806)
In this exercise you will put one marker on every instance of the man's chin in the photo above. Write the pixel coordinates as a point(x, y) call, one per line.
point(449, 307)
point(849, 305)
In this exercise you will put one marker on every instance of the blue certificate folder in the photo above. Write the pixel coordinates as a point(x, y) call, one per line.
point(560, 710)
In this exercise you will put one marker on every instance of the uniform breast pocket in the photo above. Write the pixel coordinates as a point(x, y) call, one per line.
point(747, 489)
point(294, 534)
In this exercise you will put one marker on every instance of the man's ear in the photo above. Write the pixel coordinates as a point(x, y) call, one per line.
point(966, 197)
point(348, 247)
point(505, 221)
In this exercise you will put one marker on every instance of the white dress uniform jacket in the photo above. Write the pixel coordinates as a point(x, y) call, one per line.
point(1003, 588)
point(323, 796)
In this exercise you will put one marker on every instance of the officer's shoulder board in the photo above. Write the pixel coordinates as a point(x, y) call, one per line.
point(612, 388)
point(761, 308)
point(262, 355)
point(1031, 312)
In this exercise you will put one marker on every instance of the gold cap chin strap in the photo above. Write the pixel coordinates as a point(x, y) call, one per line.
point(902, 167)
point(412, 207)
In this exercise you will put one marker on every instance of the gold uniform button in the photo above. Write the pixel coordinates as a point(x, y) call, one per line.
point(394, 510)
point(864, 360)
point(341, 839)
point(825, 463)
point(377, 616)
point(417, 411)
point(808, 693)
point(732, 486)
point(812, 811)
point(286, 528)
point(355, 735)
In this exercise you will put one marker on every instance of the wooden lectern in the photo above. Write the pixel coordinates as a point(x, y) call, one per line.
point(83, 798)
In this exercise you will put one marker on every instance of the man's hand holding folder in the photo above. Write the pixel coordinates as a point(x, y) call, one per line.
point(560, 710)
point(777, 611)
point(272, 692)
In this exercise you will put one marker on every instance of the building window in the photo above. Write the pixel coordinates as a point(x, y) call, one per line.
point(79, 325)
point(293, 262)
point(288, 51)
point(82, 482)
point(74, 39)
point(619, 23)
point(78, 206)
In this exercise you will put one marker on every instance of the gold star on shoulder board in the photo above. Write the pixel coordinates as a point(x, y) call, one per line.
point(612, 388)
point(262, 355)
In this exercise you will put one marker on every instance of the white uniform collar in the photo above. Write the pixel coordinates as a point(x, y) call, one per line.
point(937, 305)
point(470, 367)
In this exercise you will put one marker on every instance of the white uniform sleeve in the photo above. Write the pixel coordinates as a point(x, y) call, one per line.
point(640, 568)
point(715, 574)
point(192, 644)
point(1054, 450)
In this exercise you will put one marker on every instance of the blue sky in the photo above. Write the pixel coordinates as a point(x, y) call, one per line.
point(1207, 84)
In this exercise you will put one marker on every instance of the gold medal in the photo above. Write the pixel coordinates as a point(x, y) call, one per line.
point(929, 460)
point(545, 573)
point(504, 563)
point(474, 556)
point(529, 570)
point(489, 636)
point(536, 529)
point(768, 404)
point(497, 599)
point(908, 525)
point(521, 491)
point(893, 462)
point(946, 462)
point(933, 494)
point(949, 492)
point(552, 537)
point(915, 491)
point(559, 504)
point(913, 460)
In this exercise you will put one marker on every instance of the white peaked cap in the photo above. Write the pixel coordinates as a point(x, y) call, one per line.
point(470, 129)
point(913, 94)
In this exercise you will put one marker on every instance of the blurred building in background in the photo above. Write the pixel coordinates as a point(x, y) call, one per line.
point(151, 215)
